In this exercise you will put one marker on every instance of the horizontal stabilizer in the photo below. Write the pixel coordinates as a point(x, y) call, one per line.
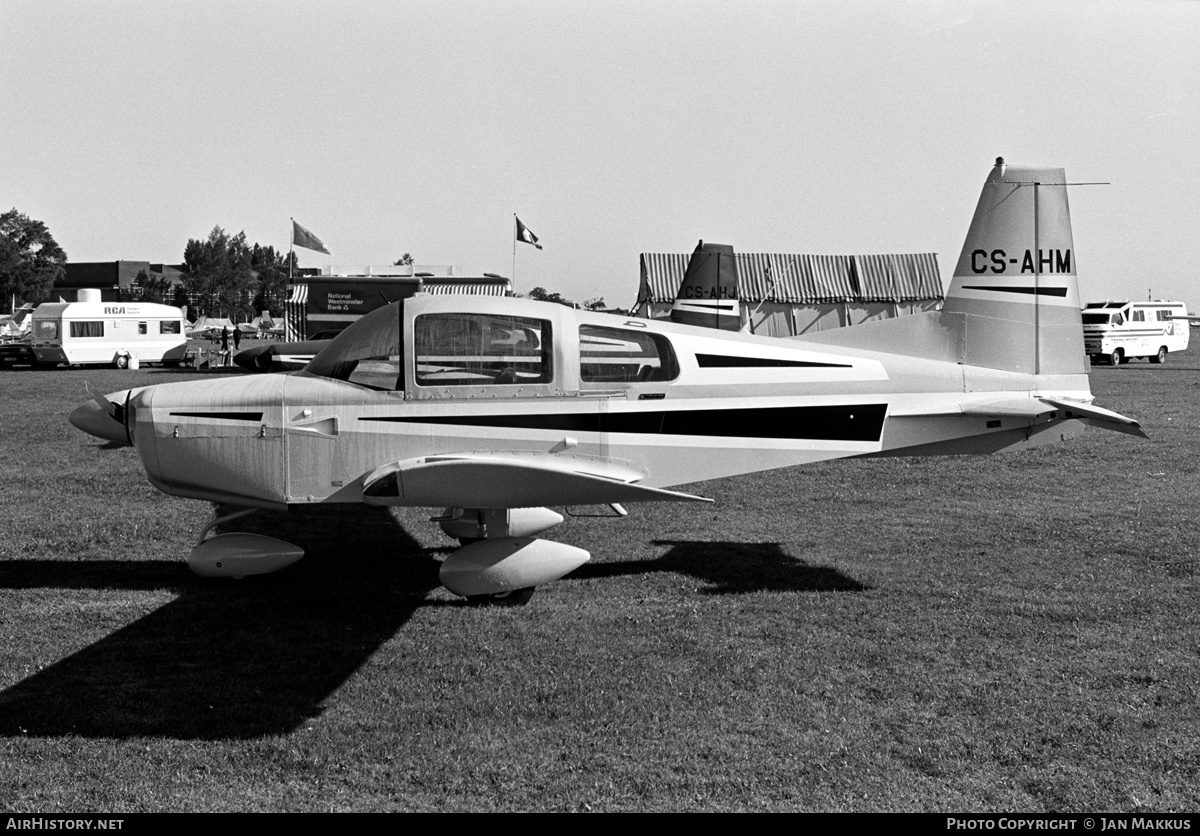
point(1010, 408)
point(1101, 417)
point(510, 480)
point(1001, 408)
point(1031, 408)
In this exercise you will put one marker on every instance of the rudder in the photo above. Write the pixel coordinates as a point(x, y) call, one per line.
point(1015, 285)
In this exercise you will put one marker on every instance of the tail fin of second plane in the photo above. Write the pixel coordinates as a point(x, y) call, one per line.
point(708, 296)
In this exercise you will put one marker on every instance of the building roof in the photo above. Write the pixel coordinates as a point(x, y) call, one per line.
point(807, 279)
point(479, 285)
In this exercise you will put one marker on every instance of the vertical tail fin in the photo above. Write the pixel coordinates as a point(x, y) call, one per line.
point(708, 296)
point(1015, 285)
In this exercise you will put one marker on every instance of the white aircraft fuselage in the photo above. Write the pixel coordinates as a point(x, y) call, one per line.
point(493, 407)
point(738, 404)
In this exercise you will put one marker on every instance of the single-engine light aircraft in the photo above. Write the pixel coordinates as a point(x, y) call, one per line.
point(495, 408)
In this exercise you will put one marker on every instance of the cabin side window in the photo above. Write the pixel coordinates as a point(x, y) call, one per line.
point(481, 350)
point(619, 355)
point(1139, 316)
point(169, 327)
point(87, 328)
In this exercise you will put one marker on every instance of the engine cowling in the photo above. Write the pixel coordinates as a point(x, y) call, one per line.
point(505, 564)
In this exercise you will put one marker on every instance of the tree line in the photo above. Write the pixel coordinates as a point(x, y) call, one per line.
point(223, 274)
point(31, 261)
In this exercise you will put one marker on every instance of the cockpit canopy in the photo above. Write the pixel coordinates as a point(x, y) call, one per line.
point(491, 348)
point(369, 352)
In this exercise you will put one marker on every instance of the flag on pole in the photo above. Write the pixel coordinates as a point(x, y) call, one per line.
point(301, 237)
point(523, 234)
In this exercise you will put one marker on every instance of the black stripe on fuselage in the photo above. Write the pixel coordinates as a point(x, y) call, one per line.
point(725, 361)
point(1028, 291)
point(227, 416)
point(857, 422)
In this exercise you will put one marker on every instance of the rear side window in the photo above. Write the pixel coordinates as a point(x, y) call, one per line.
point(169, 327)
point(621, 355)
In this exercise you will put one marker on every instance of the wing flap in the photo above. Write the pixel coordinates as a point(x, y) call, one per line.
point(514, 480)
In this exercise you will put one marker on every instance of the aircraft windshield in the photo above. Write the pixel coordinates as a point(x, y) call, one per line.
point(367, 353)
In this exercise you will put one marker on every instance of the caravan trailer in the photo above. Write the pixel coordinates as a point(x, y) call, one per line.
point(108, 333)
point(1118, 331)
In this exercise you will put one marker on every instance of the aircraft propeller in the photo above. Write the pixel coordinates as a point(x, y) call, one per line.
point(102, 418)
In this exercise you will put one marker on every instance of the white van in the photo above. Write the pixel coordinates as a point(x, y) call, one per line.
point(108, 333)
point(1118, 331)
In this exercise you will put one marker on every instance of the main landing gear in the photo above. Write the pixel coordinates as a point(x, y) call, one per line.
point(501, 562)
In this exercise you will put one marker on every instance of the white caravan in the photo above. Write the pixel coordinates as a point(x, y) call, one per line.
point(108, 333)
point(1117, 331)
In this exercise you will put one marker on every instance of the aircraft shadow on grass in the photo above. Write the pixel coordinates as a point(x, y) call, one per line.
point(226, 660)
point(261, 656)
point(731, 568)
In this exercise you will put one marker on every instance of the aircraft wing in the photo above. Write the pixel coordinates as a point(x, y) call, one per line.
point(511, 480)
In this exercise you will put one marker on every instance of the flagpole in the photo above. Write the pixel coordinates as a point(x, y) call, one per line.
point(514, 240)
point(291, 243)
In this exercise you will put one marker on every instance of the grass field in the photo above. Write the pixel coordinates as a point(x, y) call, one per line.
point(1006, 633)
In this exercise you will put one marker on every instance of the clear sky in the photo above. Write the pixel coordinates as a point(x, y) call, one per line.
point(610, 128)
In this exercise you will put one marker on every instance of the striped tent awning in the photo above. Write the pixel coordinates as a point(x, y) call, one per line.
point(807, 279)
point(295, 315)
point(457, 289)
